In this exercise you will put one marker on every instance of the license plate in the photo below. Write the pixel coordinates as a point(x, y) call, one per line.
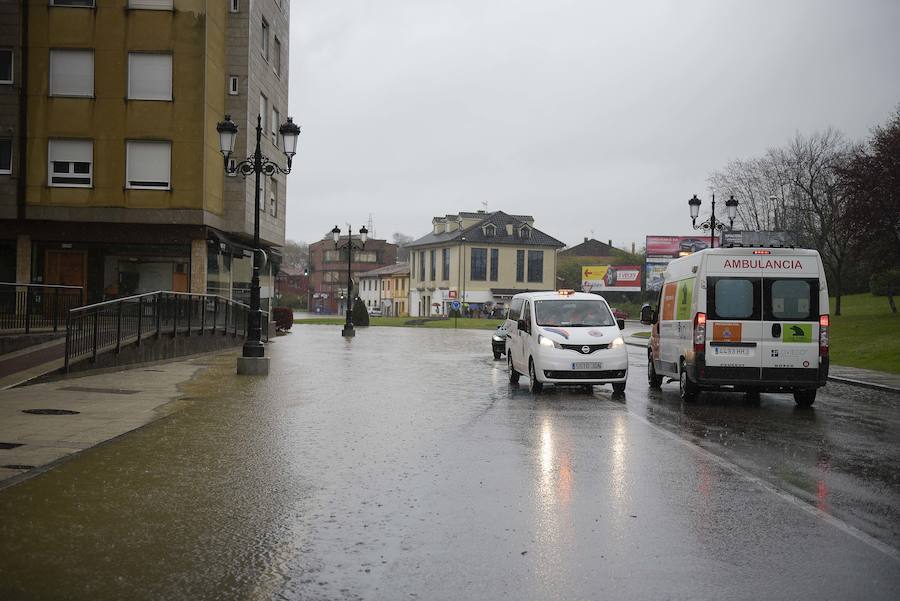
point(586, 365)
point(731, 351)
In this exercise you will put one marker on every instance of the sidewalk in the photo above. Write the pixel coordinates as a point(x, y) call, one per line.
point(868, 378)
point(106, 406)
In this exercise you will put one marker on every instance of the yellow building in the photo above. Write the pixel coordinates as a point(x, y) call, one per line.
point(480, 260)
point(125, 186)
point(386, 289)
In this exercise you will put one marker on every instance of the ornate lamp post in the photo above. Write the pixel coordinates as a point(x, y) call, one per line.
point(711, 225)
point(348, 331)
point(253, 360)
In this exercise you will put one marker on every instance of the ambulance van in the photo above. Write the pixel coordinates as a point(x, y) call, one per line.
point(743, 319)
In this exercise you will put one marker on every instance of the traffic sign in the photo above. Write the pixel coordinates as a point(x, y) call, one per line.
point(455, 305)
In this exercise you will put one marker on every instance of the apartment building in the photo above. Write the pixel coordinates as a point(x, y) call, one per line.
point(125, 189)
point(480, 259)
point(10, 131)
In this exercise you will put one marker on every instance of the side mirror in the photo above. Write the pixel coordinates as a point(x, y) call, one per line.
point(621, 323)
point(647, 316)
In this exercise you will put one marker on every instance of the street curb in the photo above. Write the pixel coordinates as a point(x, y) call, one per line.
point(863, 384)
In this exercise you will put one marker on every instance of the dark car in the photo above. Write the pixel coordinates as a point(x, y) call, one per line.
point(498, 341)
point(693, 245)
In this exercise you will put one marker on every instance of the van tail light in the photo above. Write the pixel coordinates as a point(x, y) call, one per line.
point(824, 322)
point(699, 332)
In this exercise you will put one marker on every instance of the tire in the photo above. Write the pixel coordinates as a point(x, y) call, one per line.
point(496, 356)
point(513, 374)
point(533, 384)
point(618, 387)
point(653, 378)
point(805, 398)
point(688, 390)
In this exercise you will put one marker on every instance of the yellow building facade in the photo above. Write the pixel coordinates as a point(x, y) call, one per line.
point(479, 260)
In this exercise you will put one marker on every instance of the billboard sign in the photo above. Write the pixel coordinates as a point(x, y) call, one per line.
point(616, 278)
point(654, 269)
point(675, 246)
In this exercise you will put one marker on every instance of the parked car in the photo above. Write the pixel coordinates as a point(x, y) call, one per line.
point(619, 313)
point(498, 341)
point(374, 312)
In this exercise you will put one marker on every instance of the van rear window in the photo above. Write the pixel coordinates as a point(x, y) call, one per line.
point(733, 298)
point(792, 299)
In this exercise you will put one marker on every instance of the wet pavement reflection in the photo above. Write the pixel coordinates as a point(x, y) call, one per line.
point(402, 465)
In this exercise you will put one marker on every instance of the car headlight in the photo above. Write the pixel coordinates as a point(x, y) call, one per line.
point(498, 338)
point(617, 342)
point(544, 341)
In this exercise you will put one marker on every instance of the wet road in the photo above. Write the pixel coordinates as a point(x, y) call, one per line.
point(401, 465)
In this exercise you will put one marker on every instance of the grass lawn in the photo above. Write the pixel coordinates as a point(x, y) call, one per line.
point(464, 322)
point(867, 335)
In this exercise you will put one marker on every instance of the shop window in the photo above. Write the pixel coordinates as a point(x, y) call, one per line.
point(148, 165)
point(149, 76)
point(70, 163)
point(72, 72)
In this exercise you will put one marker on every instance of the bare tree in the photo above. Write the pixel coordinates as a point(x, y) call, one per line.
point(296, 254)
point(401, 240)
point(819, 211)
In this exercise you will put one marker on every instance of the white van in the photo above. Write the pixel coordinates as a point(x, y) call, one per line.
point(745, 319)
point(565, 337)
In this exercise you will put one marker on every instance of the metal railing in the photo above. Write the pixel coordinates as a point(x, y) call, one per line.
point(112, 325)
point(36, 307)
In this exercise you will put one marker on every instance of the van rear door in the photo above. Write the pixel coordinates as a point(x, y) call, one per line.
point(790, 328)
point(733, 323)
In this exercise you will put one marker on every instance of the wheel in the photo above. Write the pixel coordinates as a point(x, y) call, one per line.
point(688, 389)
point(496, 355)
point(534, 386)
point(618, 387)
point(805, 398)
point(653, 378)
point(513, 374)
point(752, 397)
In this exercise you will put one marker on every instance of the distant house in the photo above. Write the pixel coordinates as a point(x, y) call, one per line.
point(328, 269)
point(593, 249)
point(387, 289)
point(480, 259)
point(292, 281)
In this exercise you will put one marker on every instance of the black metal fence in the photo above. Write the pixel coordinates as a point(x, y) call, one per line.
point(112, 325)
point(36, 307)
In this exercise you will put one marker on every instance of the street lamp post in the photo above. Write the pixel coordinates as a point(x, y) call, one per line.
point(253, 359)
point(711, 224)
point(348, 331)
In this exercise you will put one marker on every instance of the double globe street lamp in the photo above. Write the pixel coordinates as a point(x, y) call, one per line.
point(348, 331)
point(711, 225)
point(253, 359)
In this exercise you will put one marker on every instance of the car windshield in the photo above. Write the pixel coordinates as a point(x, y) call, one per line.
point(573, 313)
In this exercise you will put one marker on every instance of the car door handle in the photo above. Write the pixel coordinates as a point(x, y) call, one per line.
point(776, 330)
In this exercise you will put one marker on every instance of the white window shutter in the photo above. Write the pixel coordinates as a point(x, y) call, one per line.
point(149, 76)
point(75, 151)
point(151, 4)
point(71, 72)
point(149, 164)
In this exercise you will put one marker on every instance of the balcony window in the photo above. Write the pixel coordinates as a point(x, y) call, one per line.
point(70, 163)
point(72, 72)
point(535, 266)
point(264, 44)
point(149, 76)
point(148, 165)
point(151, 4)
point(478, 270)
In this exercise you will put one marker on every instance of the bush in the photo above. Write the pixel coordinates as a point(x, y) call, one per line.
point(283, 318)
point(360, 314)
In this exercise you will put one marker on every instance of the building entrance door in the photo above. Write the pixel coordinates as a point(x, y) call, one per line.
point(66, 268)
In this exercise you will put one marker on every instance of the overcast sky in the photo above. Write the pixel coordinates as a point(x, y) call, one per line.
point(598, 118)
